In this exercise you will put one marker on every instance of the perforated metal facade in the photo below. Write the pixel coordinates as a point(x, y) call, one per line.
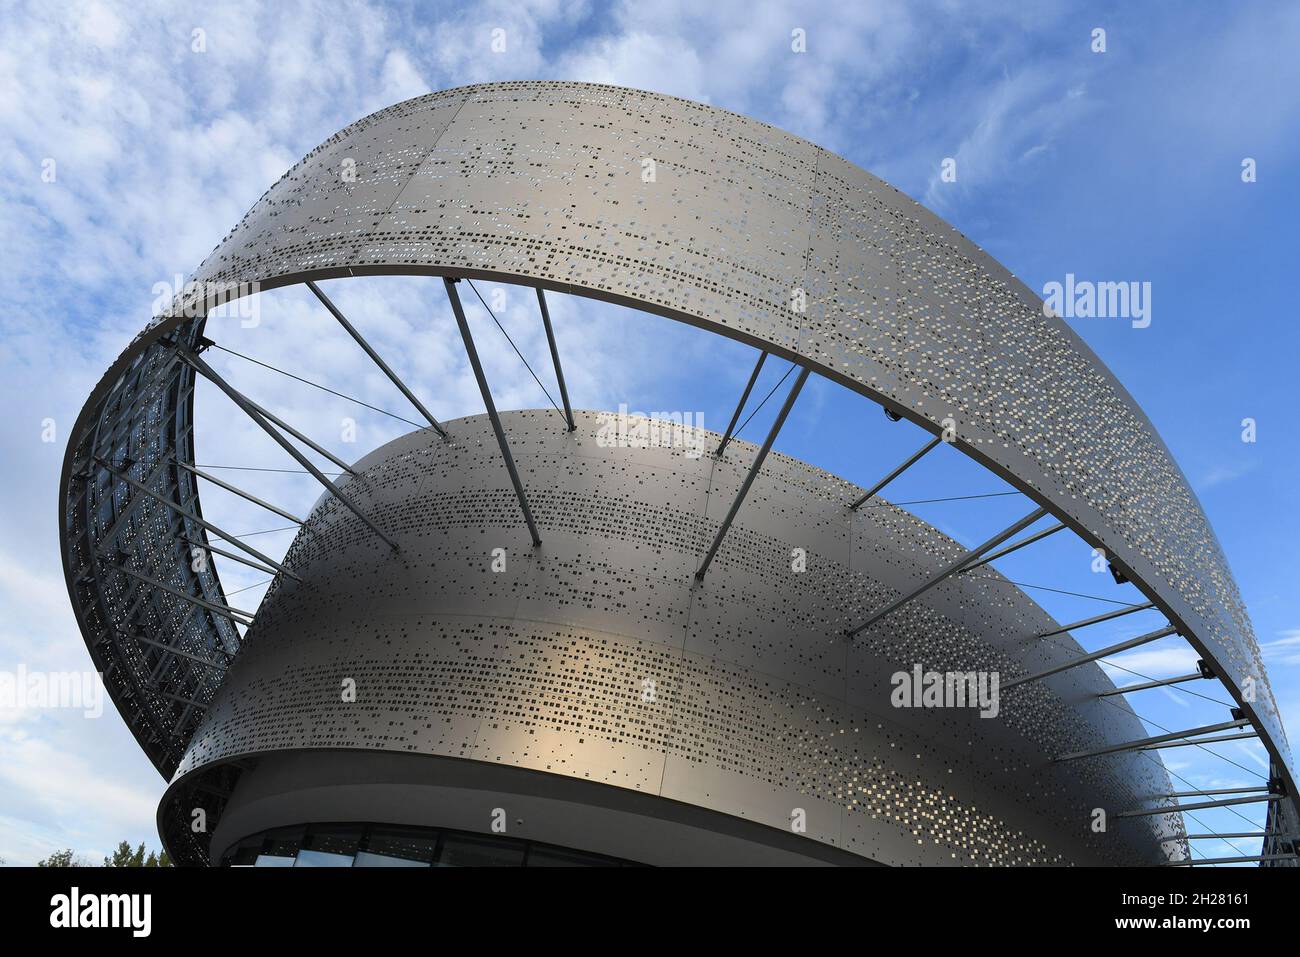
point(593, 656)
point(542, 183)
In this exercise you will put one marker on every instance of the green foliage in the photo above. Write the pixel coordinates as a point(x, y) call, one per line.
point(125, 857)
point(62, 859)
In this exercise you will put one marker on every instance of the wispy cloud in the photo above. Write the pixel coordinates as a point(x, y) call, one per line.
point(1174, 658)
point(1284, 650)
point(1223, 473)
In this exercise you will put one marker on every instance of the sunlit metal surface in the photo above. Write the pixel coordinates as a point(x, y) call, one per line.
point(595, 656)
point(674, 208)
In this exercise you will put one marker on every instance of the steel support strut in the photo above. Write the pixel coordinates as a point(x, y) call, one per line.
point(225, 554)
point(185, 513)
point(1201, 805)
point(952, 569)
point(1014, 547)
point(374, 356)
point(753, 470)
point(1213, 792)
point(252, 412)
point(1200, 741)
point(491, 406)
point(1156, 740)
point(311, 444)
point(740, 406)
point(555, 357)
point(129, 508)
point(1093, 656)
point(226, 610)
point(912, 460)
point(1097, 619)
point(215, 666)
point(1159, 683)
point(248, 496)
point(1245, 859)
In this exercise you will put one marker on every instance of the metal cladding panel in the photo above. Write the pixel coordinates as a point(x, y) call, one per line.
point(715, 219)
point(593, 657)
point(710, 218)
point(161, 657)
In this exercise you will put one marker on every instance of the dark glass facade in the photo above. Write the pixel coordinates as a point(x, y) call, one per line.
point(386, 845)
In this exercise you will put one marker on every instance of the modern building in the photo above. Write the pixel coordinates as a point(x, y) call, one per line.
point(532, 638)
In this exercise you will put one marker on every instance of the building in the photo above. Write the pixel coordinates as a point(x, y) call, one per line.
point(530, 638)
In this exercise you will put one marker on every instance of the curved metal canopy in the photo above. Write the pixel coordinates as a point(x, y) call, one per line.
point(714, 219)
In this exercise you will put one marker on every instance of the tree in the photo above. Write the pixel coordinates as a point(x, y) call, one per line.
point(65, 858)
point(125, 857)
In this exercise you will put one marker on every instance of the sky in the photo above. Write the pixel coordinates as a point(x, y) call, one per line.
point(130, 148)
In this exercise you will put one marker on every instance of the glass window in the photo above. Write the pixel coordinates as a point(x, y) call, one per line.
point(558, 857)
point(245, 855)
point(368, 859)
point(416, 845)
point(283, 842)
point(462, 850)
point(310, 858)
point(333, 838)
point(388, 845)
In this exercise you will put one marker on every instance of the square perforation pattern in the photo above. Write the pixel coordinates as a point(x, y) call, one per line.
point(758, 706)
point(542, 182)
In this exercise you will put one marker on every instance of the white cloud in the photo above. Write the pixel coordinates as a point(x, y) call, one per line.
point(1222, 473)
point(1171, 658)
point(54, 797)
point(160, 149)
point(1284, 650)
point(645, 62)
point(1004, 128)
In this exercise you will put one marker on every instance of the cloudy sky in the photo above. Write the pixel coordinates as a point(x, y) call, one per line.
point(1122, 165)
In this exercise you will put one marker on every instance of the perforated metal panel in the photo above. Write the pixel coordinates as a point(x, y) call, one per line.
point(127, 556)
point(542, 182)
point(758, 704)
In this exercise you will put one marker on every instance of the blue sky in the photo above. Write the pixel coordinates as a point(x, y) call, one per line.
point(1123, 165)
